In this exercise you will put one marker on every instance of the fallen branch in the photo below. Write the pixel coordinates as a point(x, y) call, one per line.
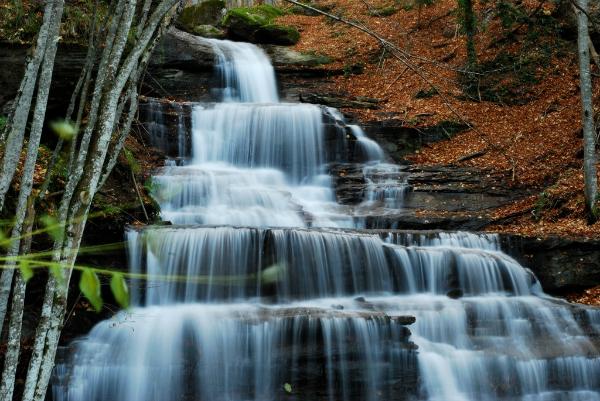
point(470, 156)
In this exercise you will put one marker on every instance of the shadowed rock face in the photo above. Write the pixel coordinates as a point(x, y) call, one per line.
point(67, 67)
point(559, 263)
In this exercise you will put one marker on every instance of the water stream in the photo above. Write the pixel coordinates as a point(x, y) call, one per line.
point(278, 293)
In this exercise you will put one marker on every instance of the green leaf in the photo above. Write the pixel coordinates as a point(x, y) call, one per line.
point(119, 289)
point(56, 271)
point(53, 228)
point(26, 270)
point(288, 388)
point(89, 284)
point(272, 274)
point(64, 129)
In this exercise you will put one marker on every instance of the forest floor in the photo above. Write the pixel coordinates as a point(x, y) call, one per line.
point(523, 103)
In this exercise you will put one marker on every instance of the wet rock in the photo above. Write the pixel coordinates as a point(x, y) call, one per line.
point(455, 293)
point(182, 49)
point(338, 102)
point(404, 320)
point(182, 66)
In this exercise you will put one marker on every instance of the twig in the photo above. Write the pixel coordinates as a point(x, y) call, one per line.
point(471, 156)
point(139, 195)
point(395, 80)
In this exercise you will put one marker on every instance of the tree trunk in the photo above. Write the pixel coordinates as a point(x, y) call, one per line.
point(87, 171)
point(587, 115)
point(32, 147)
point(469, 25)
point(11, 360)
point(13, 143)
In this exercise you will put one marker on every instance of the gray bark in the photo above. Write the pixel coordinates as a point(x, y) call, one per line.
point(18, 122)
point(587, 111)
point(84, 179)
point(32, 149)
point(16, 316)
point(14, 339)
point(24, 202)
point(80, 92)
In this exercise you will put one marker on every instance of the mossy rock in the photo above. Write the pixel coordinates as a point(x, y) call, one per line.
point(209, 31)
point(278, 34)
point(208, 12)
point(256, 24)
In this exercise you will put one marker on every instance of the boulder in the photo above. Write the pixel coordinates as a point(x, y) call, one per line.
point(283, 57)
point(208, 12)
point(257, 25)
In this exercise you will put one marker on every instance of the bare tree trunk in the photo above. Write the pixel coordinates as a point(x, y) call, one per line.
point(32, 148)
point(587, 115)
point(469, 23)
point(16, 315)
point(88, 171)
point(13, 142)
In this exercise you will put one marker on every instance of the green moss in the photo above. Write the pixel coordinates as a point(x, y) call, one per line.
point(279, 34)
point(263, 14)
point(257, 24)
point(208, 12)
point(208, 31)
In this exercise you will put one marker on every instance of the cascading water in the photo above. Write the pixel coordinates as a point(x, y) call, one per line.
point(260, 305)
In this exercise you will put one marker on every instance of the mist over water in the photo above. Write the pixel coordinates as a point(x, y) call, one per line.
point(271, 300)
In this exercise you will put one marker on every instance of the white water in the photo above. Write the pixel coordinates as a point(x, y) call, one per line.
point(245, 71)
point(260, 305)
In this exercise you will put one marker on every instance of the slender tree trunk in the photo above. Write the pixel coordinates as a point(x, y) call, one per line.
point(32, 148)
point(13, 142)
point(587, 112)
point(469, 25)
point(87, 171)
point(11, 360)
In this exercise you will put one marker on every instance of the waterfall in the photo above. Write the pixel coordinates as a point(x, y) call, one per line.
point(369, 148)
point(264, 288)
point(245, 72)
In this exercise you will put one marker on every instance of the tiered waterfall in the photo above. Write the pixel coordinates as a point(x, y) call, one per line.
point(264, 288)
